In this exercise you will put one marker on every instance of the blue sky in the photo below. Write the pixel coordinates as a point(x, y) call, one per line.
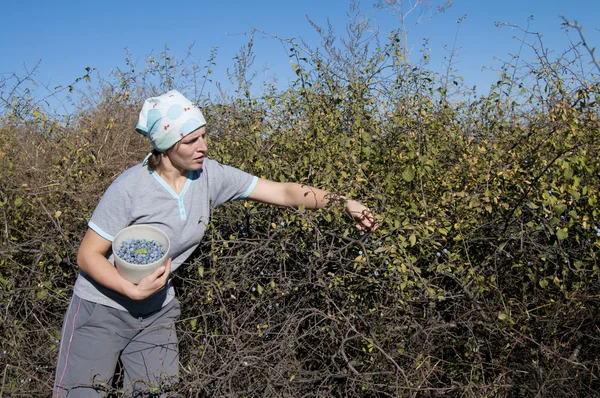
point(66, 36)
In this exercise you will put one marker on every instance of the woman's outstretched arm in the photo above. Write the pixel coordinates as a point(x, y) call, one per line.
point(296, 195)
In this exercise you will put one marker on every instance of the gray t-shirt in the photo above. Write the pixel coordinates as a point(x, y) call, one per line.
point(140, 196)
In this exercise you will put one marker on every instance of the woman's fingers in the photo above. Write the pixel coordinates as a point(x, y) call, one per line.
point(154, 282)
point(366, 220)
point(166, 272)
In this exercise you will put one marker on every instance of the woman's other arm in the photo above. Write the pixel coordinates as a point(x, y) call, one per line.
point(91, 260)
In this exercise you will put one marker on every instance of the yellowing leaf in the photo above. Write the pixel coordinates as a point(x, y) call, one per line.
point(58, 213)
point(260, 289)
point(412, 239)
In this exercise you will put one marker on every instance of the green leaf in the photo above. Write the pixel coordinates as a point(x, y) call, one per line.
point(543, 283)
point(502, 316)
point(412, 239)
point(562, 233)
point(260, 289)
point(408, 174)
point(18, 202)
point(559, 209)
point(569, 173)
point(366, 136)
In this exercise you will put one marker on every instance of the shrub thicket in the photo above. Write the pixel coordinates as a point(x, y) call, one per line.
point(481, 281)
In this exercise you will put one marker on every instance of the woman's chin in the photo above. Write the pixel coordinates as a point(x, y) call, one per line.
point(197, 164)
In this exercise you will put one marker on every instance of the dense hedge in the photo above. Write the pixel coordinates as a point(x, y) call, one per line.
point(481, 281)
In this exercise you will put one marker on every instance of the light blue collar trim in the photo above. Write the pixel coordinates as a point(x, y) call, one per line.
point(166, 186)
point(188, 182)
point(190, 177)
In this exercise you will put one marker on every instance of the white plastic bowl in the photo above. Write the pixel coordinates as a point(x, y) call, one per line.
point(136, 272)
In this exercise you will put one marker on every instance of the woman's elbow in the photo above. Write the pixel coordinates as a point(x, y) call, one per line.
point(85, 257)
point(81, 255)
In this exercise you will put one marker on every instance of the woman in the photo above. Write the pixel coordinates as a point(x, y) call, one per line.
point(174, 189)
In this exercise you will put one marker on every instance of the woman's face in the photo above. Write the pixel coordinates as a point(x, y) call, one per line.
point(188, 154)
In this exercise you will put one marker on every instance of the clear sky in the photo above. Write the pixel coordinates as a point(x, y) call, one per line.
point(66, 35)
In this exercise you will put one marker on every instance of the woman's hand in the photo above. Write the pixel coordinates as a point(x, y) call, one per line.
point(153, 283)
point(365, 220)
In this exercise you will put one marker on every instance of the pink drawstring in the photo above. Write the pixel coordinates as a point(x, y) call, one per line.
point(68, 348)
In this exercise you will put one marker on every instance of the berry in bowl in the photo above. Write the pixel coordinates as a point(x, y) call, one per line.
point(139, 250)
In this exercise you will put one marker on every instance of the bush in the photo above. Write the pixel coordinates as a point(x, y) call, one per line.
point(481, 281)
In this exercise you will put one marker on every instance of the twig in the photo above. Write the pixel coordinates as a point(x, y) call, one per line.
point(3, 380)
point(579, 29)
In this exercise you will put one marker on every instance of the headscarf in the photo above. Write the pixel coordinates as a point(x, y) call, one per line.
point(168, 118)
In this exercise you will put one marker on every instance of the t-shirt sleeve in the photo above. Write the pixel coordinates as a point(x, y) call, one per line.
point(228, 183)
point(113, 212)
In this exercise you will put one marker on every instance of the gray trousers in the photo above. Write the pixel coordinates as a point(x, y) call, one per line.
point(95, 337)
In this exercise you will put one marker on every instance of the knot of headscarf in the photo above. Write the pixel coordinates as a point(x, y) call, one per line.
point(168, 118)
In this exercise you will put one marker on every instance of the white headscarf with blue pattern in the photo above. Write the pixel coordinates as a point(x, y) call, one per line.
point(168, 118)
